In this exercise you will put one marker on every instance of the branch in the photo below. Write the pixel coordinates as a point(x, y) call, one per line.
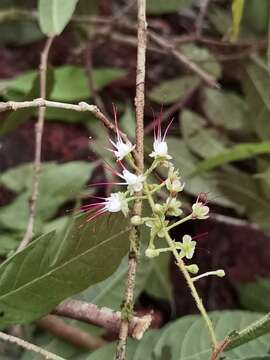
point(70, 333)
point(28, 346)
point(81, 107)
point(208, 79)
point(104, 317)
point(137, 210)
point(38, 142)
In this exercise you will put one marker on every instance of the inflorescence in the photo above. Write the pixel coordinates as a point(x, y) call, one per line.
point(139, 186)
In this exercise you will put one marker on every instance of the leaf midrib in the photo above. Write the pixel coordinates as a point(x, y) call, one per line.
point(63, 265)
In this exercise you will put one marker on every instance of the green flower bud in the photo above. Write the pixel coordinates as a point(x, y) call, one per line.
point(158, 209)
point(151, 253)
point(136, 220)
point(193, 269)
point(220, 273)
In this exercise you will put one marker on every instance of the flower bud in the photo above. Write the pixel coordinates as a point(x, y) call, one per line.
point(193, 269)
point(158, 209)
point(220, 273)
point(151, 253)
point(136, 220)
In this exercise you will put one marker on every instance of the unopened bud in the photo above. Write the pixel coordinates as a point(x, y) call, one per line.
point(220, 273)
point(136, 220)
point(158, 209)
point(193, 269)
point(151, 253)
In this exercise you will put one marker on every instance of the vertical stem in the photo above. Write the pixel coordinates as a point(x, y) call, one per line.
point(38, 142)
point(187, 277)
point(193, 290)
point(137, 210)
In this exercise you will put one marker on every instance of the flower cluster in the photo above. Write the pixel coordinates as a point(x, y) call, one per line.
point(161, 220)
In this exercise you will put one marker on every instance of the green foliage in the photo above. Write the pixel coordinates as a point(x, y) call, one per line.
point(237, 12)
point(254, 295)
point(203, 57)
point(50, 269)
point(58, 184)
point(158, 283)
point(54, 15)
point(173, 90)
point(256, 85)
point(22, 115)
point(186, 338)
point(70, 82)
point(237, 153)
point(157, 7)
point(225, 109)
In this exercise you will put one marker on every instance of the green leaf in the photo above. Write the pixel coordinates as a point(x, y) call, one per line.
point(144, 349)
point(237, 153)
point(256, 16)
point(157, 7)
point(173, 90)
point(19, 32)
point(49, 270)
point(20, 116)
point(209, 183)
point(70, 82)
point(109, 292)
point(58, 184)
point(237, 13)
point(127, 122)
point(256, 85)
point(159, 284)
point(187, 338)
point(225, 109)
point(254, 295)
point(249, 196)
point(108, 351)
point(53, 15)
point(202, 140)
point(203, 58)
point(55, 345)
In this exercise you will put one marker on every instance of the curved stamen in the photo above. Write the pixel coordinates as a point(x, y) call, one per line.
point(167, 128)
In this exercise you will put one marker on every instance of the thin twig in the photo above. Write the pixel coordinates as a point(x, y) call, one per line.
point(207, 78)
point(104, 317)
point(38, 143)
point(137, 210)
point(70, 333)
point(28, 346)
point(199, 23)
point(81, 107)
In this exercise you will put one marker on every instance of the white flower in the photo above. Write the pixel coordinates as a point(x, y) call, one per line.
point(157, 226)
point(134, 182)
point(122, 149)
point(160, 149)
point(173, 182)
point(160, 146)
point(173, 207)
point(187, 247)
point(116, 202)
point(200, 211)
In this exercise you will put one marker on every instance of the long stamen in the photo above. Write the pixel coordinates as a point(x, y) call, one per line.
point(106, 183)
point(115, 122)
point(199, 235)
point(167, 128)
point(159, 122)
point(98, 213)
